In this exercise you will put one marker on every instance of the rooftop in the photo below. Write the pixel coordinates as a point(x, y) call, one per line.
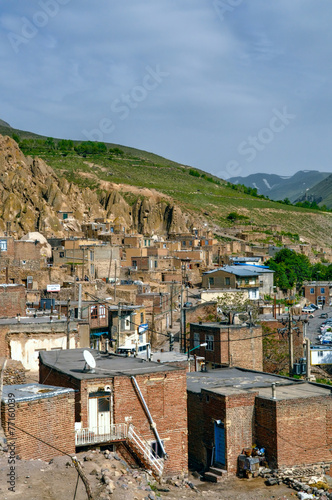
point(31, 392)
point(71, 362)
point(228, 381)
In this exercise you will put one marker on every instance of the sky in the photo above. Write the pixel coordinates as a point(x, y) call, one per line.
point(232, 87)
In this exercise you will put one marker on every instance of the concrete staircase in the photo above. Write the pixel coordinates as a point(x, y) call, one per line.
point(215, 475)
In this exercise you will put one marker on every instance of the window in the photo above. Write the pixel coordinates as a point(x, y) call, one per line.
point(155, 263)
point(92, 255)
point(103, 405)
point(134, 263)
point(211, 281)
point(322, 290)
point(320, 354)
point(227, 281)
point(190, 243)
point(246, 280)
point(61, 255)
point(196, 340)
point(183, 243)
point(156, 450)
point(102, 311)
point(206, 242)
point(93, 312)
point(3, 245)
point(142, 317)
point(127, 323)
point(209, 339)
point(312, 290)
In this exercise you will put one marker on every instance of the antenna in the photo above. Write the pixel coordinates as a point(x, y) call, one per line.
point(90, 361)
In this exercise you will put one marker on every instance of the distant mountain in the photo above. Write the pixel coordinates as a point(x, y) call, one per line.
point(321, 193)
point(4, 124)
point(278, 187)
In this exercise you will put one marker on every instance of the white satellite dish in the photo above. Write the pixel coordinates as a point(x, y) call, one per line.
point(89, 360)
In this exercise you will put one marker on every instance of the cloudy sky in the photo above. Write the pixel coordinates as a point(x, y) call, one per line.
point(230, 86)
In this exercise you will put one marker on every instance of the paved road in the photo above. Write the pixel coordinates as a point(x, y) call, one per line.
point(312, 327)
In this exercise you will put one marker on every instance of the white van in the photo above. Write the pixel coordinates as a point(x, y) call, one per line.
point(131, 349)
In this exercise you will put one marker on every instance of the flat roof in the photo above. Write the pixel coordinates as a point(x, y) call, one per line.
point(303, 390)
point(221, 379)
point(31, 392)
point(222, 325)
point(71, 362)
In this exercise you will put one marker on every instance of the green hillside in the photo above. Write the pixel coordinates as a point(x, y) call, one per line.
point(98, 166)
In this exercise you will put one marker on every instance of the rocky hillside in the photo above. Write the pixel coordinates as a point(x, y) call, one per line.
point(147, 193)
point(31, 194)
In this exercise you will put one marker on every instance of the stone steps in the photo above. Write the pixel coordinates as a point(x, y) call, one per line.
point(215, 475)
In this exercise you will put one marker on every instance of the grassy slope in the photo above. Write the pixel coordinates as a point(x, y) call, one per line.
point(143, 169)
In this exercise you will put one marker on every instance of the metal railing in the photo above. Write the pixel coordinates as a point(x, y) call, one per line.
point(101, 434)
point(145, 450)
point(121, 432)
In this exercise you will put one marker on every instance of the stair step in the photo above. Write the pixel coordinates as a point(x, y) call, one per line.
point(217, 471)
point(213, 478)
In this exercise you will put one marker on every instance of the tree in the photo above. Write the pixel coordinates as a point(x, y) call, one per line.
point(291, 268)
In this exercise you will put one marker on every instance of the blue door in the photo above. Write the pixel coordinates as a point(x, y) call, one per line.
point(219, 443)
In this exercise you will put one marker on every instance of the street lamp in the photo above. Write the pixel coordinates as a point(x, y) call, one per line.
point(200, 345)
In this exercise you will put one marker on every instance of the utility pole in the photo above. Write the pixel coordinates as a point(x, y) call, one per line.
point(291, 353)
point(181, 318)
point(308, 367)
point(171, 325)
point(68, 324)
point(110, 266)
point(83, 262)
point(2, 432)
point(115, 280)
point(119, 325)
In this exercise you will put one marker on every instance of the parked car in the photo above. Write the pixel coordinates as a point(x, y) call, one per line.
point(308, 309)
point(324, 315)
point(187, 304)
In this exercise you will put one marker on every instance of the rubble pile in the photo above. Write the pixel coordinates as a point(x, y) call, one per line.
point(310, 482)
point(14, 373)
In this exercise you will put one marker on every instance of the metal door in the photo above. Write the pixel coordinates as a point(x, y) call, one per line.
point(219, 443)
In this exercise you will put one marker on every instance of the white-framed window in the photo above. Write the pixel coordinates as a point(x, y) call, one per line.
point(3, 245)
point(209, 339)
point(320, 354)
point(102, 311)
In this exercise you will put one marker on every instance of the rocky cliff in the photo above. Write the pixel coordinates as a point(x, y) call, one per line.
point(31, 195)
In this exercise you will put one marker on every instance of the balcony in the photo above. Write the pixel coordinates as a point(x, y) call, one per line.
point(122, 432)
point(102, 434)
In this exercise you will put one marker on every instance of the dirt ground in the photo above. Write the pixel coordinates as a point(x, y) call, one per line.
point(39, 480)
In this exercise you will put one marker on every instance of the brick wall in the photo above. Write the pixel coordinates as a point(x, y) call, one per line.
point(12, 301)
point(304, 430)
point(50, 419)
point(165, 395)
point(233, 345)
point(235, 411)
point(265, 427)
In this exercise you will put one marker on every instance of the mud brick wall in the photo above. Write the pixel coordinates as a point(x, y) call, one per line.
point(50, 419)
point(14, 373)
point(12, 301)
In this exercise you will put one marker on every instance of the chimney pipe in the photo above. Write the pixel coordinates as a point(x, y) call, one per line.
point(274, 390)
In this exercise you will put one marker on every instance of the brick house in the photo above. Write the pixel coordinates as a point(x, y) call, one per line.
point(25, 254)
point(317, 292)
point(44, 411)
point(230, 409)
point(112, 401)
point(228, 345)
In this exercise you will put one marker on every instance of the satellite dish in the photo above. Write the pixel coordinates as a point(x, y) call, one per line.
point(90, 361)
